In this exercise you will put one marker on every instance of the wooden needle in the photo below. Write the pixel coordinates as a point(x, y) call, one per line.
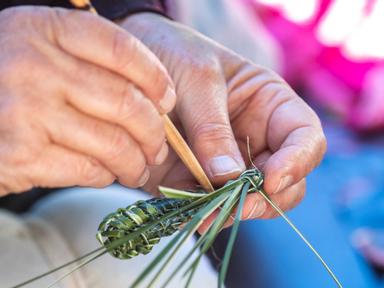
point(185, 154)
point(173, 135)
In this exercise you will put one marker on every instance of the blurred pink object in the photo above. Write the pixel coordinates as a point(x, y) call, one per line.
point(332, 54)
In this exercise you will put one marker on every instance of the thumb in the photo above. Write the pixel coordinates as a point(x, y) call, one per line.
point(203, 112)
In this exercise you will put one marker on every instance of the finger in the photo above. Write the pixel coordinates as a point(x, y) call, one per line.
point(108, 96)
point(298, 145)
point(299, 154)
point(107, 143)
point(203, 228)
point(203, 113)
point(61, 167)
point(287, 199)
point(109, 46)
point(292, 130)
point(254, 207)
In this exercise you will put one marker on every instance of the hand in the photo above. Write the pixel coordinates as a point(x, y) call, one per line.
point(80, 102)
point(222, 100)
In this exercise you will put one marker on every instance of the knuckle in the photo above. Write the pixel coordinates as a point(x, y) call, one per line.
point(124, 49)
point(157, 126)
point(153, 141)
point(89, 171)
point(156, 154)
point(269, 75)
point(274, 91)
point(212, 131)
point(271, 86)
point(160, 82)
point(119, 145)
point(155, 130)
point(140, 167)
point(104, 181)
point(207, 69)
point(160, 79)
point(133, 104)
point(133, 178)
point(129, 103)
point(159, 85)
point(152, 153)
point(136, 180)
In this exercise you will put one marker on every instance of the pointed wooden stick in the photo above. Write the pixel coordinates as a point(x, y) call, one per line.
point(186, 155)
point(173, 136)
point(84, 5)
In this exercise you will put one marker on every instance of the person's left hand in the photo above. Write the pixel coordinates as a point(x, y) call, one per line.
point(222, 100)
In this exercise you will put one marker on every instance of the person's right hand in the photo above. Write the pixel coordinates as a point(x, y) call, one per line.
point(80, 102)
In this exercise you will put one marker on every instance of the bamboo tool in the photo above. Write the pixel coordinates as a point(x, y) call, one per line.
point(173, 136)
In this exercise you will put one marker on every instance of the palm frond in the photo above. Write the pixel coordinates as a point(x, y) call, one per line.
point(179, 194)
point(144, 223)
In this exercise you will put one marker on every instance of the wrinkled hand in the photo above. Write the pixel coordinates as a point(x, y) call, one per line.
point(77, 106)
point(222, 100)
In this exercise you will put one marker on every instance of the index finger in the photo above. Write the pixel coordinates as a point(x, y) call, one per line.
point(103, 43)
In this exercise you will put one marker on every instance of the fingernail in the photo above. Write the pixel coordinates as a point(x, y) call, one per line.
point(144, 178)
point(257, 210)
point(285, 182)
point(168, 100)
point(162, 155)
point(223, 165)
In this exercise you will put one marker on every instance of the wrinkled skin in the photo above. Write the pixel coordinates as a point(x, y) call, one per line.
point(221, 100)
point(77, 106)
